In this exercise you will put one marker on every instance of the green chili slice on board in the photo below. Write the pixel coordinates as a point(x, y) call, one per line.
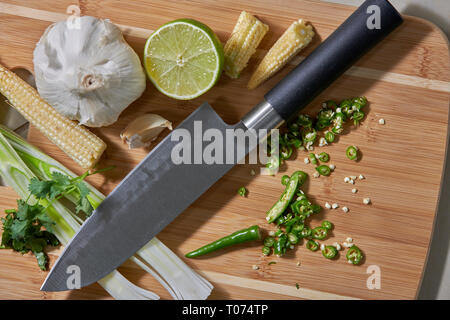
point(305, 233)
point(242, 191)
point(266, 251)
point(244, 235)
point(312, 158)
point(327, 224)
point(323, 170)
point(329, 252)
point(319, 233)
point(312, 245)
point(280, 206)
point(269, 242)
point(329, 136)
point(293, 238)
point(281, 245)
point(324, 157)
point(354, 255)
point(285, 180)
point(297, 228)
point(352, 153)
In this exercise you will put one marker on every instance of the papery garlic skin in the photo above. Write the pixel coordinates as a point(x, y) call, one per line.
point(144, 129)
point(89, 74)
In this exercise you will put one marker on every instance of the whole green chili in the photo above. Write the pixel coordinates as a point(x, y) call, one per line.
point(244, 235)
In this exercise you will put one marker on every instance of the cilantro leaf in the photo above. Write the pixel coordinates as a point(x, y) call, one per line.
point(36, 244)
point(46, 221)
point(84, 205)
point(40, 189)
point(83, 189)
point(60, 179)
point(19, 229)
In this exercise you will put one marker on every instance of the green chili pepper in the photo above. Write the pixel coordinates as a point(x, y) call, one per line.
point(244, 235)
point(295, 207)
point(361, 100)
point(324, 157)
point(329, 252)
point(289, 224)
point(269, 242)
point(305, 121)
point(242, 191)
point(323, 170)
point(327, 224)
point(280, 206)
point(297, 143)
point(305, 233)
point(352, 153)
point(266, 251)
point(329, 136)
point(280, 220)
point(285, 180)
point(273, 164)
point(297, 228)
point(312, 245)
point(281, 245)
point(278, 233)
point(293, 238)
point(331, 104)
point(285, 152)
point(357, 117)
point(354, 255)
point(319, 233)
point(312, 158)
point(309, 135)
point(338, 123)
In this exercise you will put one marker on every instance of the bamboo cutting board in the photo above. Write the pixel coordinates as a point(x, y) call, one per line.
point(406, 79)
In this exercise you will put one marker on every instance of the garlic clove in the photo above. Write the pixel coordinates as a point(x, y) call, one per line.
point(144, 129)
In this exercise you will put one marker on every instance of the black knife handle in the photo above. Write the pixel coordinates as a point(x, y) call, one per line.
point(334, 56)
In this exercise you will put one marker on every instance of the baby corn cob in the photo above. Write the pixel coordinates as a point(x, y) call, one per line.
point(294, 39)
point(245, 38)
point(80, 144)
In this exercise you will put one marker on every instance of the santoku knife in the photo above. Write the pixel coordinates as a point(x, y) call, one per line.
point(158, 190)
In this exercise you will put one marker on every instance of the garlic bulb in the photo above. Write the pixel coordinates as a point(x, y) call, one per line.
point(88, 73)
point(143, 130)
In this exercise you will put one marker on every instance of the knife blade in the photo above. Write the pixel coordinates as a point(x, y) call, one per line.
point(158, 190)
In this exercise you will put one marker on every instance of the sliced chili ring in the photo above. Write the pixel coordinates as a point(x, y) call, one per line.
point(319, 233)
point(329, 136)
point(323, 170)
point(352, 153)
point(354, 255)
point(327, 224)
point(305, 233)
point(312, 245)
point(329, 252)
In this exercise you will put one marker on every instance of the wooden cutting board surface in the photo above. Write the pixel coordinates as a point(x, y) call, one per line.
point(406, 79)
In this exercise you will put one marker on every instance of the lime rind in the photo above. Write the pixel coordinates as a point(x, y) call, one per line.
point(201, 72)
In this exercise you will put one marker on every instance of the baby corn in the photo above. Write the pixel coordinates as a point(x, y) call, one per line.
point(245, 38)
point(294, 39)
point(80, 144)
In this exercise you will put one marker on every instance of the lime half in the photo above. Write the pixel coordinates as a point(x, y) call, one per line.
point(183, 59)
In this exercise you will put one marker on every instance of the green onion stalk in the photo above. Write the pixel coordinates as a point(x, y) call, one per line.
point(20, 162)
